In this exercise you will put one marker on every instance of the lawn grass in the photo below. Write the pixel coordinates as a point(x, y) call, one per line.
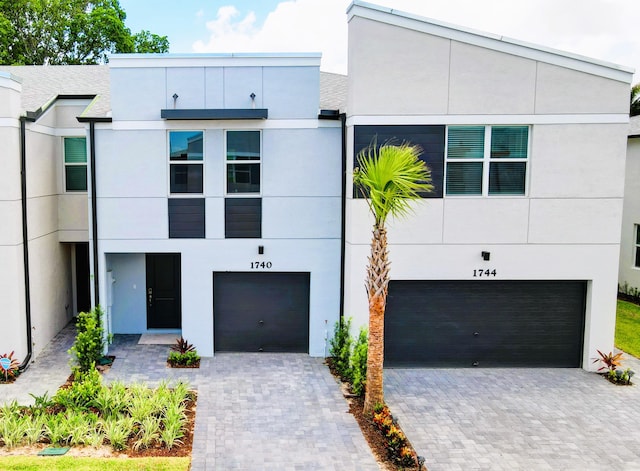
point(628, 328)
point(70, 463)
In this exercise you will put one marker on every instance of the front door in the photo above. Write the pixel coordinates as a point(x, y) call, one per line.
point(164, 307)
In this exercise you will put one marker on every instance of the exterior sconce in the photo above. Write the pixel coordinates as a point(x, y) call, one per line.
point(261, 249)
point(175, 99)
point(486, 256)
point(253, 100)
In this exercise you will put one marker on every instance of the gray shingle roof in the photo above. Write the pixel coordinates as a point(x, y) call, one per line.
point(42, 83)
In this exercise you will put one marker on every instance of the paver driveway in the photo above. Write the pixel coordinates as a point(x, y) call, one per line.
point(522, 419)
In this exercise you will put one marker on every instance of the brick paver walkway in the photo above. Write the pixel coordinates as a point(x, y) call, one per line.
point(517, 419)
point(255, 411)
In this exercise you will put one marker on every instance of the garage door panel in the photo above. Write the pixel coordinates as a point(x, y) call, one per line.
point(261, 311)
point(487, 323)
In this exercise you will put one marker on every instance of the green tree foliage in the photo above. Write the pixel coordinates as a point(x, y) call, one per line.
point(68, 32)
point(359, 363)
point(89, 345)
point(635, 100)
point(340, 348)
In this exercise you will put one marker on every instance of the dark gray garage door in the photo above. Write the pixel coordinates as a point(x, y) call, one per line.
point(488, 323)
point(261, 312)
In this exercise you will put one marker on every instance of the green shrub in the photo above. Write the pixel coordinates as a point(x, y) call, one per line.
point(82, 393)
point(189, 358)
point(89, 345)
point(359, 363)
point(340, 348)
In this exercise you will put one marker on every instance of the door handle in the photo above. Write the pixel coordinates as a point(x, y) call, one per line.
point(260, 323)
point(150, 296)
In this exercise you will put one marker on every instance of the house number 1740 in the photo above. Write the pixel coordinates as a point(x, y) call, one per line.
point(257, 265)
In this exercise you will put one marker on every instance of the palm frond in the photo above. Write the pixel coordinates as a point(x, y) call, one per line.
point(391, 176)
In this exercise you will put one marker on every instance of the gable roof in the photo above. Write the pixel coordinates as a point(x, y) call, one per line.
point(43, 83)
point(490, 41)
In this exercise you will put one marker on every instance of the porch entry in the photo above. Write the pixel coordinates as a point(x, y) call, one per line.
point(164, 306)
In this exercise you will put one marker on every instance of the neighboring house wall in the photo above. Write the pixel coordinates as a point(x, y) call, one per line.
point(12, 298)
point(300, 162)
point(630, 244)
point(408, 71)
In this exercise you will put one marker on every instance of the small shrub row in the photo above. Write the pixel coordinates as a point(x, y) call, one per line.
point(629, 293)
point(398, 447)
point(349, 355)
point(90, 413)
point(88, 347)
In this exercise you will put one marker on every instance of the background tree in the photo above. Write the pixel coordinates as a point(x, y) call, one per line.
point(68, 32)
point(389, 177)
point(635, 100)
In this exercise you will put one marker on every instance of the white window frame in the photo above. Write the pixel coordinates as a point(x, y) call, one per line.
point(486, 162)
point(187, 162)
point(636, 245)
point(242, 162)
point(74, 164)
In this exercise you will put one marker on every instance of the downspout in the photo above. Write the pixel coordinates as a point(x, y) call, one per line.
point(94, 210)
point(25, 241)
point(343, 229)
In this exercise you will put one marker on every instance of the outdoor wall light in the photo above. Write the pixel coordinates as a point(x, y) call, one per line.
point(175, 99)
point(261, 249)
point(486, 256)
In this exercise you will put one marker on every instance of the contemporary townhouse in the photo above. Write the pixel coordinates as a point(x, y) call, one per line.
point(211, 195)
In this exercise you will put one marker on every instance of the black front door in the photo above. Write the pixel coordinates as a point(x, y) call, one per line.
point(164, 307)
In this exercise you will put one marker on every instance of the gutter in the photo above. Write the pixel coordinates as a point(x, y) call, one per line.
point(343, 197)
point(25, 240)
point(335, 115)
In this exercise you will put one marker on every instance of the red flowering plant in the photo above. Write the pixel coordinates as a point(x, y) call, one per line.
point(9, 366)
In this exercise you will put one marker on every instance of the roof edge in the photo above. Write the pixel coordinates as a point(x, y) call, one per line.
point(491, 41)
point(216, 59)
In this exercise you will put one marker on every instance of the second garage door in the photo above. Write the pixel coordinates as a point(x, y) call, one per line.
point(261, 312)
point(488, 323)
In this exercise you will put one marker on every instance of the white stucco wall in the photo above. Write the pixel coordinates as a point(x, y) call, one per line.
point(565, 227)
point(631, 217)
point(300, 187)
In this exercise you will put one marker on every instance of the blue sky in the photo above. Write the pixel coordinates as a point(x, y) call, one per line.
point(601, 29)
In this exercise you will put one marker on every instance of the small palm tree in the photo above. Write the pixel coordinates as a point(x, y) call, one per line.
point(389, 177)
point(635, 100)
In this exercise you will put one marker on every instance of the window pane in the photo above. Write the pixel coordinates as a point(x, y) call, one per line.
point(507, 178)
point(638, 235)
point(186, 179)
point(243, 145)
point(465, 142)
point(75, 177)
point(75, 150)
point(464, 178)
point(185, 145)
point(243, 178)
point(637, 257)
point(509, 142)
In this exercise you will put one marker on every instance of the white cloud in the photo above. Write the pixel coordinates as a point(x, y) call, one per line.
point(602, 29)
point(294, 26)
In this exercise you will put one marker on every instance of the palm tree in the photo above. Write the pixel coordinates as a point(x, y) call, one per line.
point(635, 100)
point(389, 177)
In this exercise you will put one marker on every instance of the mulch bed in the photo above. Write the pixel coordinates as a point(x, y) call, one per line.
point(178, 365)
point(371, 433)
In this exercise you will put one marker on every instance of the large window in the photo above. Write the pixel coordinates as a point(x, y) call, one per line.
point(243, 162)
point(486, 160)
point(637, 247)
point(243, 206)
point(186, 180)
point(185, 162)
point(75, 164)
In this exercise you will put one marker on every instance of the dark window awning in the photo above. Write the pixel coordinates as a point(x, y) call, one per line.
point(227, 113)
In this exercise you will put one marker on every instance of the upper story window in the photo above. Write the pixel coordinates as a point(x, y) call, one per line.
point(637, 247)
point(75, 164)
point(185, 162)
point(486, 160)
point(243, 162)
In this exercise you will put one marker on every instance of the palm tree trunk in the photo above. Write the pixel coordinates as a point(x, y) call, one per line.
point(377, 282)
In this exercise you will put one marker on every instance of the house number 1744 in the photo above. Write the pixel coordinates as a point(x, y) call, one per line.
point(484, 273)
point(257, 265)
